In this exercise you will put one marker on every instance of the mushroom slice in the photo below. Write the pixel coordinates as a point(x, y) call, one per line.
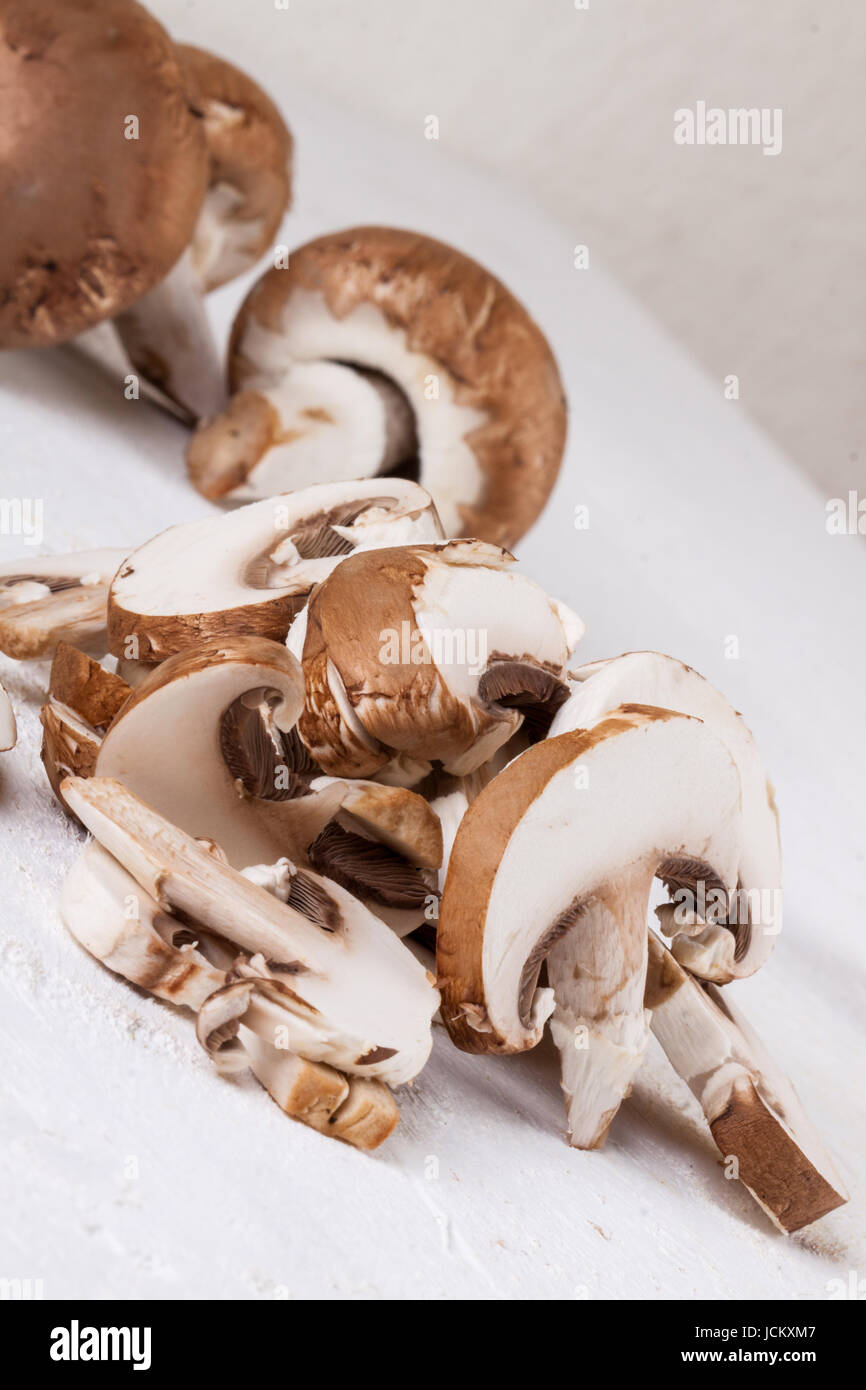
point(742, 935)
point(249, 572)
point(250, 154)
point(8, 726)
point(237, 1027)
point(70, 746)
point(754, 1113)
point(555, 859)
point(381, 349)
point(80, 683)
point(123, 926)
point(354, 998)
point(396, 647)
point(52, 598)
point(230, 709)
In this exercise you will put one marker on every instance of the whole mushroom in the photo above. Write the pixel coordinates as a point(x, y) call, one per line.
point(378, 350)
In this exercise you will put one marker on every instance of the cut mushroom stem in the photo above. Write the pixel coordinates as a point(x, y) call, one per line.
point(167, 336)
point(54, 598)
point(350, 996)
point(753, 1111)
point(555, 860)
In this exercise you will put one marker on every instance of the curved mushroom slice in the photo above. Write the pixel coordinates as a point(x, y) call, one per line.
point(249, 151)
point(556, 859)
point(381, 349)
point(8, 726)
point(352, 995)
point(123, 926)
point(53, 598)
point(739, 932)
point(399, 648)
point(250, 572)
point(231, 709)
point(754, 1113)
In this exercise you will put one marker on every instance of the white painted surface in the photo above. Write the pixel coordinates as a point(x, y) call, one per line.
point(699, 530)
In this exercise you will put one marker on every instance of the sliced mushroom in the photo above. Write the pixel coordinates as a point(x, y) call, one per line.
point(250, 572)
point(80, 683)
point(237, 1026)
point(754, 1113)
point(54, 598)
point(381, 350)
point(8, 726)
point(228, 711)
point(741, 933)
point(555, 860)
point(70, 746)
point(353, 997)
point(114, 919)
point(398, 648)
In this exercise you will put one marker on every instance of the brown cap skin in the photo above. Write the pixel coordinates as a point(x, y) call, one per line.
point(253, 154)
point(92, 220)
point(459, 314)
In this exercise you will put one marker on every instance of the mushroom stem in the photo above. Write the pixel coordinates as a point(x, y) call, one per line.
point(599, 1024)
point(169, 340)
point(754, 1113)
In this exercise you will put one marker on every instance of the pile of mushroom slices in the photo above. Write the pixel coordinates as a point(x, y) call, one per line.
point(326, 740)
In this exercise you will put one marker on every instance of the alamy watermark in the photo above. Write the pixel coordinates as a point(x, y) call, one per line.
point(23, 516)
point(439, 646)
point(738, 125)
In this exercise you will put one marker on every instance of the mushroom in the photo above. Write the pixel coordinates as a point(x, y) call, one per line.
point(70, 746)
point(351, 995)
point(754, 1113)
point(106, 165)
point(237, 1026)
point(120, 924)
point(555, 860)
point(250, 571)
point(114, 919)
point(231, 709)
point(79, 682)
point(53, 598)
point(379, 350)
point(8, 727)
point(427, 653)
point(742, 929)
point(249, 153)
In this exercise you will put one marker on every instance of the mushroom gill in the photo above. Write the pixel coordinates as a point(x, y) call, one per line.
point(368, 869)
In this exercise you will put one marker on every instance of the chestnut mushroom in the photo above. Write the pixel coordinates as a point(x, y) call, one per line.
point(376, 351)
point(427, 653)
point(555, 860)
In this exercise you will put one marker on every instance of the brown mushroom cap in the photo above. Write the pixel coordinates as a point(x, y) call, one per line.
point(250, 151)
point(92, 220)
point(457, 313)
